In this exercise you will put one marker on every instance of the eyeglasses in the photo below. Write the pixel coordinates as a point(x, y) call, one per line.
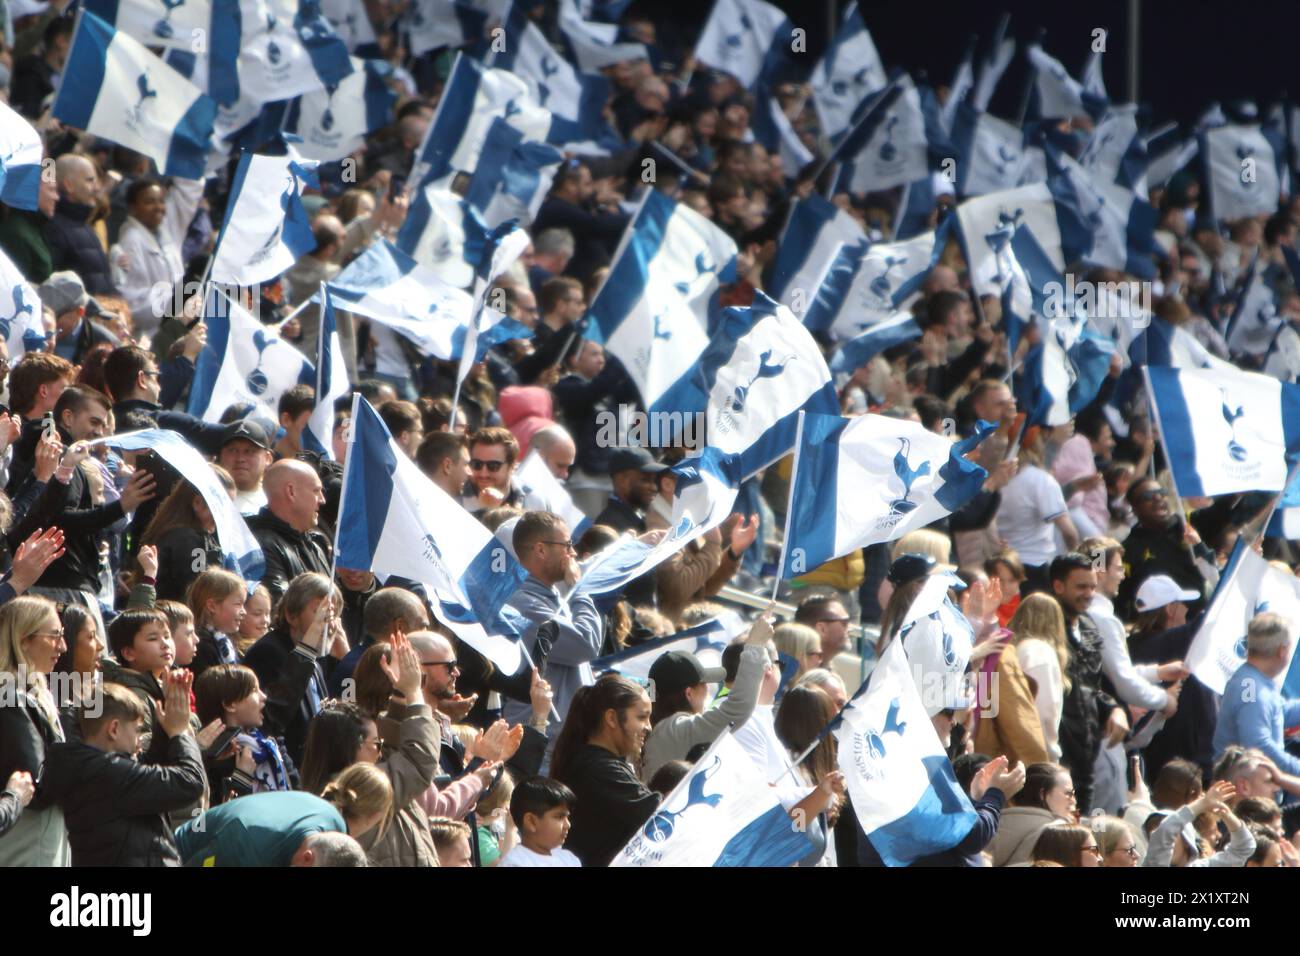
point(567, 545)
point(152, 373)
point(377, 743)
point(1093, 849)
point(1069, 793)
point(58, 634)
point(478, 464)
point(450, 665)
point(1132, 851)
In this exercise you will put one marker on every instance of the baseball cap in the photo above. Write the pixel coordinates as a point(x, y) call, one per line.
point(1159, 590)
point(678, 670)
point(62, 292)
point(908, 567)
point(247, 430)
point(634, 459)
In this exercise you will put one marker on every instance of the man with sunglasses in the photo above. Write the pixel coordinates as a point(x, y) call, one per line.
point(492, 456)
point(1160, 543)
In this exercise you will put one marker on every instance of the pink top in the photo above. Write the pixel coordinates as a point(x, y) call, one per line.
point(1075, 460)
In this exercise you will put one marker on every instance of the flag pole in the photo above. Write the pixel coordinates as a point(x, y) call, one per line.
point(529, 658)
point(1153, 410)
point(789, 505)
point(348, 438)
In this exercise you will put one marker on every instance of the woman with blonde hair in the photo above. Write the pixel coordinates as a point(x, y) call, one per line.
point(925, 541)
point(217, 598)
point(1117, 842)
point(31, 642)
point(800, 642)
point(363, 795)
point(1039, 629)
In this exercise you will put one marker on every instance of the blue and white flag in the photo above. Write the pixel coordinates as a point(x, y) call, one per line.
point(351, 22)
point(1167, 153)
point(594, 46)
point(1243, 170)
point(761, 368)
point(992, 154)
point(240, 551)
point(848, 71)
point(1248, 586)
point(904, 792)
point(575, 100)
point(1064, 372)
point(542, 491)
point(1117, 152)
point(707, 485)
point(21, 152)
point(440, 233)
point(243, 361)
point(887, 145)
point(984, 220)
point(513, 176)
point(963, 83)
point(938, 639)
point(659, 302)
point(268, 50)
point(180, 24)
point(856, 352)
point(864, 480)
point(22, 325)
point(1225, 432)
point(395, 521)
point(772, 128)
point(472, 98)
point(706, 641)
point(432, 24)
point(1170, 345)
point(809, 244)
point(867, 284)
point(1101, 222)
point(266, 228)
point(1059, 95)
point(1285, 522)
point(1001, 52)
point(746, 38)
point(331, 382)
point(1254, 323)
point(387, 286)
point(723, 813)
point(333, 122)
point(113, 87)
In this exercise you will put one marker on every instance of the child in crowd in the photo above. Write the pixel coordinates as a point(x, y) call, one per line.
point(257, 619)
point(256, 759)
point(540, 808)
point(216, 599)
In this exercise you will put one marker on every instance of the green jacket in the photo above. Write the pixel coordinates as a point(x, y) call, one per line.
point(22, 236)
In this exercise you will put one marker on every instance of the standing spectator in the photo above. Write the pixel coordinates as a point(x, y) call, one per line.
point(1254, 713)
point(1159, 544)
point(148, 250)
point(72, 241)
point(75, 335)
point(246, 455)
point(1032, 510)
point(37, 75)
point(285, 528)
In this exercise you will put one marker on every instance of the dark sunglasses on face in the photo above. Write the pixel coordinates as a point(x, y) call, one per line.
point(478, 464)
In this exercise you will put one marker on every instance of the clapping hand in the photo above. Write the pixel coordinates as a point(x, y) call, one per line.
point(174, 711)
point(34, 555)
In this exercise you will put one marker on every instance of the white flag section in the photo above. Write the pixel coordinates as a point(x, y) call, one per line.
point(434, 235)
point(846, 73)
point(996, 157)
point(1060, 96)
point(113, 87)
point(888, 146)
point(331, 382)
point(396, 522)
point(706, 490)
point(1249, 586)
point(723, 813)
point(984, 218)
point(1225, 432)
point(654, 309)
point(156, 23)
point(240, 551)
point(907, 800)
point(266, 228)
point(706, 641)
point(938, 640)
point(21, 323)
point(1243, 172)
point(243, 361)
point(864, 480)
point(544, 492)
point(738, 36)
point(21, 151)
point(594, 44)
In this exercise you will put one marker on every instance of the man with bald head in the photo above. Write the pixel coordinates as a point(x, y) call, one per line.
point(286, 527)
point(555, 446)
point(73, 244)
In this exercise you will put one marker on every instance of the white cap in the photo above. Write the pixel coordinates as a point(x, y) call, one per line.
point(1159, 590)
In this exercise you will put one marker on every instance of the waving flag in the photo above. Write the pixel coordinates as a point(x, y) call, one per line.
point(331, 382)
point(156, 23)
point(860, 481)
point(723, 813)
point(513, 176)
point(395, 521)
point(1001, 53)
point(660, 299)
point(746, 38)
point(905, 795)
point(1165, 344)
point(856, 352)
point(1059, 95)
point(992, 154)
point(1063, 373)
point(1117, 153)
point(432, 24)
point(594, 46)
point(351, 22)
point(440, 233)
point(938, 639)
point(1101, 222)
point(387, 286)
point(243, 361)
point(1248, 586)
point(21, 151)
point(266, 227)
point(963, 83)
point(984, 219)
point(772, 128)
point(1254, 323)
point(239, 549)
point(707, 485)
point(113, 87)
point(813, 235)
point(544, 492)
point(1243, 171)
point(848, 71)
point(887, 145)
point(706, 641)
point(1225, 431)
point(866, 284)
point(22, 325)
point(333, 122)
point(1167, 152)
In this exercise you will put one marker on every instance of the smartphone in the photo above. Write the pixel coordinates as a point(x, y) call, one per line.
point(221, 743)
point(1135, 770)
point(396, 186)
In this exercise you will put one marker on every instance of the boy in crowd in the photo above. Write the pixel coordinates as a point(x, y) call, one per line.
point(540, 808)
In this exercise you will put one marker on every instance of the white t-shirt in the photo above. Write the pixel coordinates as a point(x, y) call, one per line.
point(522, 856)
point(1039, 661)
point(250, 502)
point(1030, 502)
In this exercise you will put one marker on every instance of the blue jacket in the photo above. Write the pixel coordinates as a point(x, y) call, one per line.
point(988, 814)
point(1253, 714)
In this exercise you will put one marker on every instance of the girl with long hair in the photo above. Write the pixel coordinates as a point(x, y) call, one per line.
point(1044, 655)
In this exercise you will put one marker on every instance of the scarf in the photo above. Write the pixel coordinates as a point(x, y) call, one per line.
point(269, 772)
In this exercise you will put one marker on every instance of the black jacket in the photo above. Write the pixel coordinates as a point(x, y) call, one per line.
point(1148, 552)
point(595, 234)
point(74, 245)
point(1085, 710)
point(26, 736)
point(1189, 733)
point(182, 554)
point(287, 674)
point(612, 803)
point(288, 553)
point(581, 402)
point(207, 437)
point(90, 335)
point(115, 808)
